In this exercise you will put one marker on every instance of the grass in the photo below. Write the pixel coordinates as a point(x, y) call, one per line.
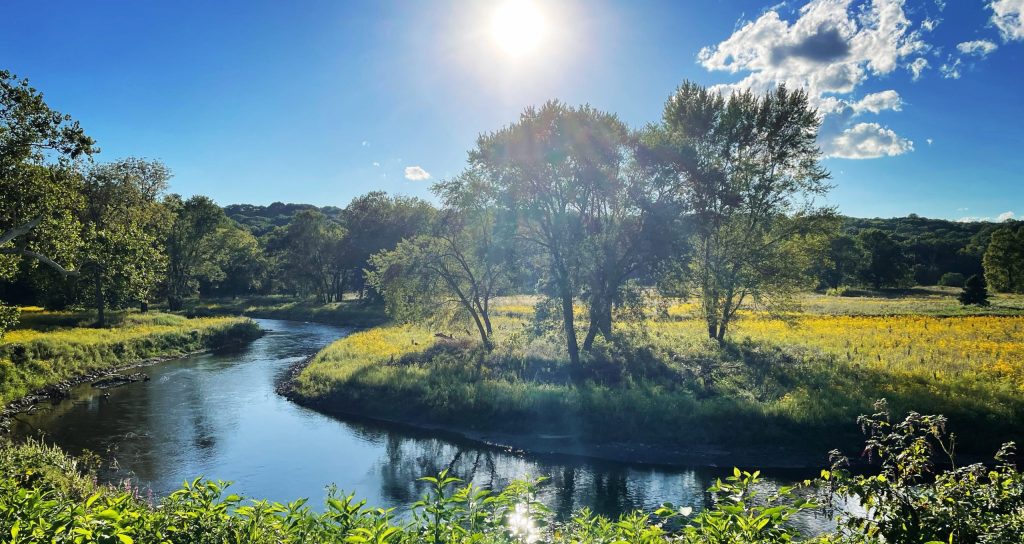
point(800, 380)
point(31, 359)
point(348, 312)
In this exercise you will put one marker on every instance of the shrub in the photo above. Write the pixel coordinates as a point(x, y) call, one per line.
point(952, 279)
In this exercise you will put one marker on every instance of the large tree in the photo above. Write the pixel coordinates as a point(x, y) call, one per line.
point(560, 170)
point(1004, 260)
point(192, 250)
point(885, 263)
point(839, 265)
point(377, 222)
point(457, 269)
point(307, 251)
point(745, 171)
point(124, 225)
point(39, 186)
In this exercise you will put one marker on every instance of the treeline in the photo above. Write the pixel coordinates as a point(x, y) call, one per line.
point(717, 202)
point(913, 250)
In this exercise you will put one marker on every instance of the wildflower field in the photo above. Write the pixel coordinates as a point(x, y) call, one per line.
point(805, 375)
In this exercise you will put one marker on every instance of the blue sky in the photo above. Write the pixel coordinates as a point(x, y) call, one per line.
point(319, 101)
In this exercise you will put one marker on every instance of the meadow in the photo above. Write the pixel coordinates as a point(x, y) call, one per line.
point(49, 348)
point(795, 381)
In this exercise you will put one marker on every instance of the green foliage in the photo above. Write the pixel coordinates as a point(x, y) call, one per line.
point(1004, 260)
point(885, 264)
point(8, 317)
point(191, 245)
point(309, 251)
point(975, 291)
point(952, 279)
point(912, 500)
point(745, 171)
point(47, 496)
point(573, 203)
point(124, 227)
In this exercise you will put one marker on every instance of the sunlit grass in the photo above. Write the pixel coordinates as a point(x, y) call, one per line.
point(31, 359)
point(663, 379)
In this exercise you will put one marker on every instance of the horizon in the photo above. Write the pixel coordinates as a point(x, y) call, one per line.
point(257, 104)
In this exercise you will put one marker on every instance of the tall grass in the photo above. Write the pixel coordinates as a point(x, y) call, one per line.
point(33, 359)
point(799, 381)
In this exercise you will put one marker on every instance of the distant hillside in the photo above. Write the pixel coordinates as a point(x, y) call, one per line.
point(932, 246)
point(262, 219)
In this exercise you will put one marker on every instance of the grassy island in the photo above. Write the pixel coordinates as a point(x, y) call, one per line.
point(794, 382)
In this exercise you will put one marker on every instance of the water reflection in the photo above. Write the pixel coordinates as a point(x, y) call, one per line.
point(217, 415)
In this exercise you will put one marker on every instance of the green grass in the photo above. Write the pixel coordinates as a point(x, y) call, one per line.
point(798, 383)
point(348, 312)
point(31, 359)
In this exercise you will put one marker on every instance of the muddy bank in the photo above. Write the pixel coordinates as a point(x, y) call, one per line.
point(688, 455)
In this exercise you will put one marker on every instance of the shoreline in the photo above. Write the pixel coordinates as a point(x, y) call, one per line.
point(60, 391)
point(569, 445)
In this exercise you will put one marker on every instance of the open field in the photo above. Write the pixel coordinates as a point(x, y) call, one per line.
point(798, 381)
point(33, 358)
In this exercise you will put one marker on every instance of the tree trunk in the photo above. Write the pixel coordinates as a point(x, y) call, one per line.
point(175, 303)
point(101, 315)
point(144, 306)
point(569, 322)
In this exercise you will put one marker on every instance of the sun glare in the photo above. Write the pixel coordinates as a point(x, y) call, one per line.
point(518, 27)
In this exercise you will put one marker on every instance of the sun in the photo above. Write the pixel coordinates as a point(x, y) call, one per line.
point(518, 27)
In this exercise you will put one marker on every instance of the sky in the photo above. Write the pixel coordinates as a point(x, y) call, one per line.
point(318, 101)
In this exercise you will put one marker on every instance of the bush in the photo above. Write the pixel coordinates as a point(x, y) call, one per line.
point(975, 291)
point(47, 496)
point(952, 279)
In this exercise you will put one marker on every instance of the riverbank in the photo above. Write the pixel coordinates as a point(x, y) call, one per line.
point(44, 364)
point(781, 394)
point(351, 313)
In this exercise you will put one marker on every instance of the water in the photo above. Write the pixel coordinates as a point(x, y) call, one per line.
point(218, 416)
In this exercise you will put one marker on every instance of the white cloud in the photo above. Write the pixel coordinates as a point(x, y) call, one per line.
point(376, 164)
point(930, 141)
point(831, 48)
point(951, 69)
point(980, 48)
point(1008, 17)
point(879, 102)
point(929, 24)
point(867, 141)
point(416, 173)
point(916, 67)
point(1005, 216)
point(365, 143)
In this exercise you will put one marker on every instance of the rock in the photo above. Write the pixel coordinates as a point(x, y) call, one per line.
point(119, 380)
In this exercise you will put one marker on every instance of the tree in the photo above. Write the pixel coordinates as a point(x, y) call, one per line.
point(377, 222)
point(40, 187)
point(559, 171)
point(456, 270)
point(745, 171)
point(307, 249)
point(975, 291)
point(1004, 260)
point(192, 251)
point(840, 263)
point(884, 264)
point(124, 225)
point(242, 261)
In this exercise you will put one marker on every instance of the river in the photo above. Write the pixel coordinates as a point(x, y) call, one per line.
point(217, 415)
